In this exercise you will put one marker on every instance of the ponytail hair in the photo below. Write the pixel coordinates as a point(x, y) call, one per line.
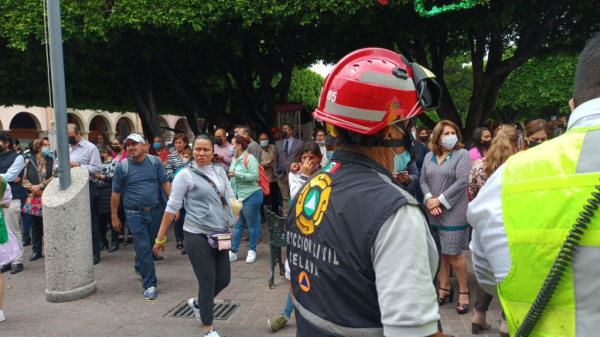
point(503, 146)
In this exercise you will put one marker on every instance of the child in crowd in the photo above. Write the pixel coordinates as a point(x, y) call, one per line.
point(9, 247)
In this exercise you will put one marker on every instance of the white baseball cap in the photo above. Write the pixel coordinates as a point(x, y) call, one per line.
point(136, 138)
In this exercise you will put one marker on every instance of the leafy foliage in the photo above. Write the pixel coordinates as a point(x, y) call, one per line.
point(306, 88)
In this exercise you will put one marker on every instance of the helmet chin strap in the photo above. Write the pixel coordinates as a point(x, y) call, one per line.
point(407, 142)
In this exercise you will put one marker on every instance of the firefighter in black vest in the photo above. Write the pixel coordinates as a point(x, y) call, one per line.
point(361, 259)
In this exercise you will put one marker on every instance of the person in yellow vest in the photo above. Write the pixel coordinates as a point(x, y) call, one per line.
point(528, 207)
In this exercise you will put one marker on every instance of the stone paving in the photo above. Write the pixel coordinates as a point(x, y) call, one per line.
point(119, 309)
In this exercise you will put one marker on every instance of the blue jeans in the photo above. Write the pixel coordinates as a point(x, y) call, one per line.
point(289, 307)
point(144, 227)
point(249, 215)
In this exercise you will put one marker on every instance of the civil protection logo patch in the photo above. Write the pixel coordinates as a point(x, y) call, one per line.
point(304, 282)
point(312, 203)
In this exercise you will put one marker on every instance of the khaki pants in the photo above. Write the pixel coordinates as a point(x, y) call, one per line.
point(284, 187)
point(12, 216)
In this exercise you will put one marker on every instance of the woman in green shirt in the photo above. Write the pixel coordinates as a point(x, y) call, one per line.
point(244, 176)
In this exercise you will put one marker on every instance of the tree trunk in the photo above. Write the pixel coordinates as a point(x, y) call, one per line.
point(140, 92)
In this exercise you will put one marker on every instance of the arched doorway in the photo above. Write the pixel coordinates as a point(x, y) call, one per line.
point(167, 134)
point(99, 125)
point(182, 125)
point(124, 127)
point(74, 119)
point(24, 127)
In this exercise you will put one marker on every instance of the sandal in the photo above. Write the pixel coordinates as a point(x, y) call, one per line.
point(462, 309)
point(449, 298)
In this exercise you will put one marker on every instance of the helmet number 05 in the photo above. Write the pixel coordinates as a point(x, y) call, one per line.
point(331, 96)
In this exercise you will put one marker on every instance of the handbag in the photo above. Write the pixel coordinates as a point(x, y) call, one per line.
point(220, 241)
point(33, 204)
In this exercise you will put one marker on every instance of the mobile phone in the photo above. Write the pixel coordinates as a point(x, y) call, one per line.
point(553, 118)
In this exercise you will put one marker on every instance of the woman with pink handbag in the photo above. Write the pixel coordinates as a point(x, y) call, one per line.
point(38, 173)
point(207, 226)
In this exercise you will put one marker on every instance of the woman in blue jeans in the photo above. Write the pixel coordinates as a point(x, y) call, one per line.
point(243, 173)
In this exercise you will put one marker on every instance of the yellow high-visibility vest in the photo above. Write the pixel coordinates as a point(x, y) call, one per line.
point(543, 191)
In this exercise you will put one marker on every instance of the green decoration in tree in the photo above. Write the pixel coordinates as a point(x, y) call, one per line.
point(435, 10)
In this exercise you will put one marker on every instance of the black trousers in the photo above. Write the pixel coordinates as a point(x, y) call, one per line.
point(178, 228)
point(37, 233)
point(272, 199)
point(105, 220)
point(212, 269)
point(96, 246)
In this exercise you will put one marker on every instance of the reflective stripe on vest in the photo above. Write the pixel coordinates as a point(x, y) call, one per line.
point(335, 328)
point(543, 191)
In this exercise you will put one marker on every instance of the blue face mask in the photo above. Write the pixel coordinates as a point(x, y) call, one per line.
point(47, 152)
point(232, 150)
point(400, 160)
point(157, 146)
point(321, 142)
point(264, 143)
point(329, 154)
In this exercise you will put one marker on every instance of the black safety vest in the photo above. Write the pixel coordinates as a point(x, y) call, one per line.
point(331, 228)
point(6, 161)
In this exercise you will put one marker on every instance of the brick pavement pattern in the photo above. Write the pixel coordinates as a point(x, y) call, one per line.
point(119, 309)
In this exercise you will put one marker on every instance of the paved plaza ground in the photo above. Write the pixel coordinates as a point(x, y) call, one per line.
point(119, 309)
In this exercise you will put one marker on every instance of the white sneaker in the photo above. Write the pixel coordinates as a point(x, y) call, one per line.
point(251, 256)
point(212, 333)
point(2, 317)
point(232, 257)
point(195, 308)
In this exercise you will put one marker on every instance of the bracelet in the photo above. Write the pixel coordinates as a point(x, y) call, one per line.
point(160, 242)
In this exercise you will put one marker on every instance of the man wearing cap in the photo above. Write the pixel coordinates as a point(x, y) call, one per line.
point(85, 154)
point(142, 181)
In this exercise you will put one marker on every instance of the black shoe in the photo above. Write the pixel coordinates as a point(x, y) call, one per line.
point(96, 259)
point(183, 251)
point(121, 240)
point(26, 241)
point(104, 245)
point(179, 245)
point(5, 268)
point(35, 256)
point(449, 298)
point(157, 258)
point(129, 240)
point(17, 268)
point(113, 247)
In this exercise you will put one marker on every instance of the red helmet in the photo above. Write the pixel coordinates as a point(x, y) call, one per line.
point(372, 88)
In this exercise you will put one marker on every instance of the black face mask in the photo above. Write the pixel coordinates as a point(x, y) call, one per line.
point(487, 144)
point(72, 140)
point(284, 134)
point(219, 141)
point(424, 139)
point(2, 148)
point(533, 144)
point(116, 148)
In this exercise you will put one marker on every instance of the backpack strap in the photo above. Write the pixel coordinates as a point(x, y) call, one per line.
point(246, 160)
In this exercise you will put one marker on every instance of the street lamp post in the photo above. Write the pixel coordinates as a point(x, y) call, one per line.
point(59, 93)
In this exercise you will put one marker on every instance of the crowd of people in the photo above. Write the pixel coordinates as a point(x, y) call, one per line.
point(377, 209)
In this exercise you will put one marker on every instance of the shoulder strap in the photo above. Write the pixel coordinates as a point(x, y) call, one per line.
point(32, 161)
point(125, 168)
point(212, 184)
point(246, 160)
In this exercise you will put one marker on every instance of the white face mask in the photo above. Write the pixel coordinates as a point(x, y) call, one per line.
point(449, 142)
point(185, 161)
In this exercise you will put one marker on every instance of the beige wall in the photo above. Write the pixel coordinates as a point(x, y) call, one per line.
point(43, 118)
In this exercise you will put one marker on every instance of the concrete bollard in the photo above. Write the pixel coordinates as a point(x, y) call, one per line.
point(68, 239)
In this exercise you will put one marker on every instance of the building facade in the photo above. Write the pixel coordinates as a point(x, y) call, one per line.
point(28, 123)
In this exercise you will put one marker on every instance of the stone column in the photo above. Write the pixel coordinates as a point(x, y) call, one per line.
point(68, 239)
